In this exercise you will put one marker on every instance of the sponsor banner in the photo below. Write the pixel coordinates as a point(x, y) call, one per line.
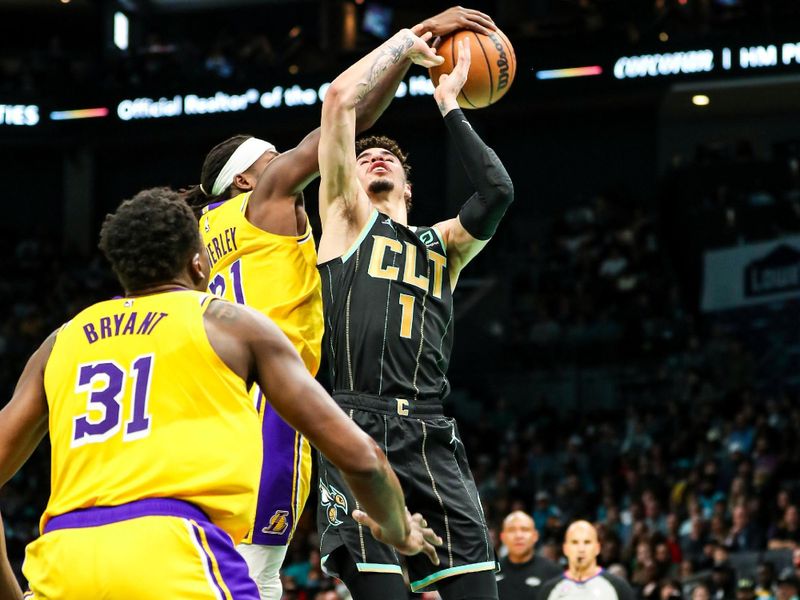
point(751, 274)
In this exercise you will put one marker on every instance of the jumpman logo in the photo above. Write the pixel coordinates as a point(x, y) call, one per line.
point(453, 438)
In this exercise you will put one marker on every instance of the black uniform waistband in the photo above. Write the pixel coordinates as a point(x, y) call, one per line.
point(388, 405)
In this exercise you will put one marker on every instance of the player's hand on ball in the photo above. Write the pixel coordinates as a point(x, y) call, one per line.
point(455, 18)
point(450, 84)
point(422, 54)
point(420, 538)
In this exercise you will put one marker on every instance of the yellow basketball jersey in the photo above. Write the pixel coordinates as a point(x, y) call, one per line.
point(141, 406)
point(275, 274)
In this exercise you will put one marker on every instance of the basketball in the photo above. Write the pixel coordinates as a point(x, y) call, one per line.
point(491, 71)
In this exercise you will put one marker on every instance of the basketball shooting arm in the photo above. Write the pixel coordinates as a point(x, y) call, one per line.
point(344, 206)
point(256, 349)
point(290, 172)
point(23, 424)
point(469, 232)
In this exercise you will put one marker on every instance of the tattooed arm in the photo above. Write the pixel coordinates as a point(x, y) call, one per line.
point(343, 205)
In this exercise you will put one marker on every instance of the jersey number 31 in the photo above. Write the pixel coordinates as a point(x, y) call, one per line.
point(105, 382)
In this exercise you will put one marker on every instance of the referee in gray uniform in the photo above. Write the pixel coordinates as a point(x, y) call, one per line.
point(584, 579)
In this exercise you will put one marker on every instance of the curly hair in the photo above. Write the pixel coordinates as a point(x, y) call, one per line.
point(212, 165)
point(150, 238)
point(386, 143)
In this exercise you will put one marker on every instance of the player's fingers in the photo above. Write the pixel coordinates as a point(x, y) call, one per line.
point(480, 22)
point(464, 56)
point(480, 17)
point(431, 537)
point(466, 50)
point(359, 516)
point(426, 36)
point(431, 553)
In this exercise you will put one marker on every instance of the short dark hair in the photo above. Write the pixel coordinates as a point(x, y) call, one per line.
point(212, 165)
point(150, 238)
point(387, 143)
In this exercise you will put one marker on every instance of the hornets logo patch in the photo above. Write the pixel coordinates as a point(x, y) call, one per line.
point(278, 523)
point(333, 500)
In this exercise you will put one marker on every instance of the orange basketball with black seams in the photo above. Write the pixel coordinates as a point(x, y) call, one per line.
point(491, 70)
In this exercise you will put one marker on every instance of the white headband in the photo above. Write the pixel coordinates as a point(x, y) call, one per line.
point(242, 159)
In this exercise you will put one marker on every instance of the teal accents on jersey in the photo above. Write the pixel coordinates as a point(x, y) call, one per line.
point(434, 577)
point(361, 236)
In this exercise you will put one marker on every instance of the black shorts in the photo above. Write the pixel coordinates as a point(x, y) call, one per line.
point(426, 452)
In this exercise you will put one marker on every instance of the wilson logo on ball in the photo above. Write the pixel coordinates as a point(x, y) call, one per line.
point(491, 71)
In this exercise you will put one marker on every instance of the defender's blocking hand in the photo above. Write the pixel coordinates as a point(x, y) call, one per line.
point(456, 18)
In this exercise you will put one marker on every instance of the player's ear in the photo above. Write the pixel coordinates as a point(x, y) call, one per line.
point(199, 270)
point(243, 182)
point(407, 192)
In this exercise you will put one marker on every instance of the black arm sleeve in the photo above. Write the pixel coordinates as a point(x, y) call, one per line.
point(481, 214)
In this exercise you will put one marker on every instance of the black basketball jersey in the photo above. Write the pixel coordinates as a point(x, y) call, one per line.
point(388, 311)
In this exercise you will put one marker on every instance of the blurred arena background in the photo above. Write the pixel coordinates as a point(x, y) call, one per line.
point(627, 348)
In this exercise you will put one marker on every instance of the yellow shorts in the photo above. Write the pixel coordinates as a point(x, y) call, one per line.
point(148, 549)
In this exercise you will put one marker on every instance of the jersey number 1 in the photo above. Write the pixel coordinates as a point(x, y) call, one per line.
point(406, 315)
point(105, 384)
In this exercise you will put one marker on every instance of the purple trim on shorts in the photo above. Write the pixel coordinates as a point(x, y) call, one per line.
point(104, 515)
point(232, 567)
point(277, 479)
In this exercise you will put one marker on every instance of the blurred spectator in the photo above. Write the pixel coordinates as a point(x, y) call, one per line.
point(701, 591)
point(787, 533)
point(787, 587)
point(546, 515)
point(765, 580)
point(744, 535)
point(745, 589)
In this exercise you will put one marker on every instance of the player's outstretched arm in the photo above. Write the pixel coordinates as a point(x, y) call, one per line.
point(257, 349)
point(290, 172)
point(23, 424)
point(340, 194)
point(9, 588)
point(374, 104)
point(23, 421)
point(468, 233)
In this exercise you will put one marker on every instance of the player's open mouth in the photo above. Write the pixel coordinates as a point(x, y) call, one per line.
point(378, 166)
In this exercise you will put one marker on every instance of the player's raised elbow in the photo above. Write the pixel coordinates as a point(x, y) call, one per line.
point(497, 188)
point(499, 194)
point(341, 96)
point(503, 189)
